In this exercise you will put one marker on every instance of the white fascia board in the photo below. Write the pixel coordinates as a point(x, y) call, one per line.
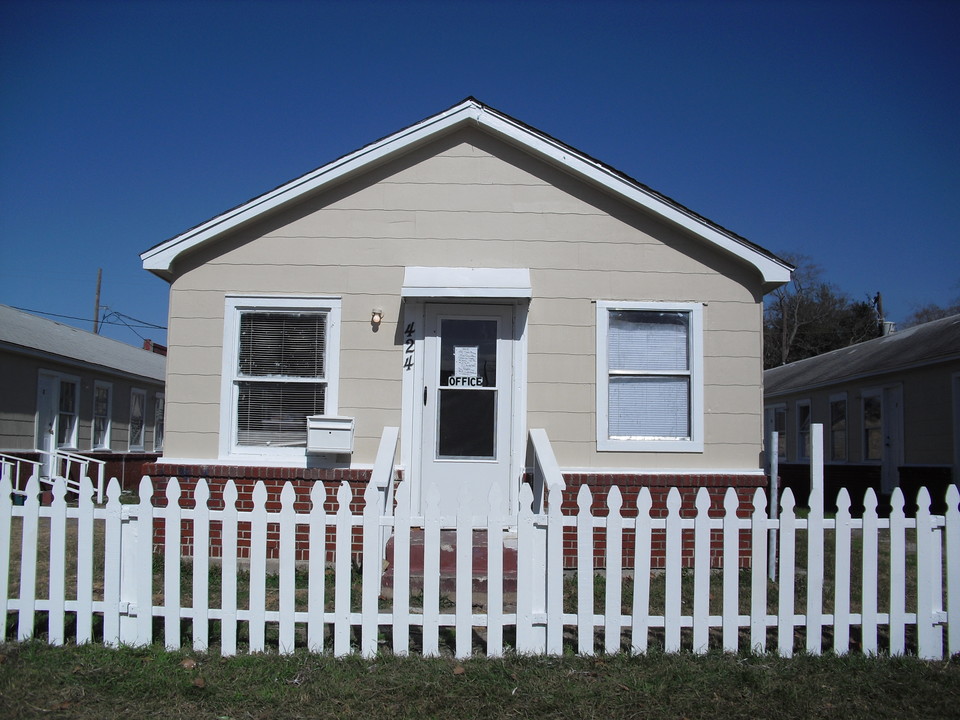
point(160, 258)
point(435, 282)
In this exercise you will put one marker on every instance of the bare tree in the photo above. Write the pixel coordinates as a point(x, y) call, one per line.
point(809, 316)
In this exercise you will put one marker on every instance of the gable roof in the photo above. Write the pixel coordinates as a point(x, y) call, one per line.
point(933, 342)
point(774, 272)
point(27, 334)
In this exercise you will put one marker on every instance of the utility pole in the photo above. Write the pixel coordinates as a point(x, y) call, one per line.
point(96, 304)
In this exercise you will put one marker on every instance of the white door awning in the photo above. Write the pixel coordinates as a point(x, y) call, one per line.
point(453, 282)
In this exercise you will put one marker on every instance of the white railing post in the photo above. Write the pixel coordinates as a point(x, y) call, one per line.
point(547, 478)
point(773, 463)
point(129, 537)
point(383, 477)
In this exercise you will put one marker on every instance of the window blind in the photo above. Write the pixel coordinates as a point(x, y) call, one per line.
point(657, 407)
point(644, 340)
point(275, 413)
point(282, 345)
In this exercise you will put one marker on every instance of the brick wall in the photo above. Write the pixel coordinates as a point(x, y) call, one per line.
point(303, 481)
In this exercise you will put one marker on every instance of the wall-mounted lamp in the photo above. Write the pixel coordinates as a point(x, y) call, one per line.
point(377, 316)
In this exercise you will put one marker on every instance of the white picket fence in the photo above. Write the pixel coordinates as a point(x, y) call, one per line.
point(915, 610)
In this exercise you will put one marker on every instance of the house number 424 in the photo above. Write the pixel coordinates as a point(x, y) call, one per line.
point(408, 346)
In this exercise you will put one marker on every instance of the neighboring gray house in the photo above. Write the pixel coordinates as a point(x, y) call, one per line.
point(890, 408)
point(65, 389)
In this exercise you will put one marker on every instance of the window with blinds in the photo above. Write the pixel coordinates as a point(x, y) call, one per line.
point(281, 376)
point(649, 374)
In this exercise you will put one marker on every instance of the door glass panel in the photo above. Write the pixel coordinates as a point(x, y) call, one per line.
point(467, 422)
point(468, 349)
point(467, 394)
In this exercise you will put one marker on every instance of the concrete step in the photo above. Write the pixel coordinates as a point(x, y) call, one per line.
point(448, 561)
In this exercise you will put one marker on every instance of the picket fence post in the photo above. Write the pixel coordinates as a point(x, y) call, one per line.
point(585, 607)
point(731, 571)
point(929, 634)
point(171, 566)
point(815, 543)
point(641, 572)
point(494, 573)
point(201, 566)
point(401, 571)
point(58, 541)
point(85, 562)
point(372, 570)
point(674, 563)
point(28, 566)
point(952, 530)
point(6, 515)
point(613, 552)
point(898, 573)
point(785, 601)
point(869, 589)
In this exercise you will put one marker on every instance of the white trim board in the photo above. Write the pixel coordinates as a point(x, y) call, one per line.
point(445, 282)
point(161, 258)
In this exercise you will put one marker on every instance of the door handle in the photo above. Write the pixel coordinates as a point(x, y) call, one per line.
point(424, 395)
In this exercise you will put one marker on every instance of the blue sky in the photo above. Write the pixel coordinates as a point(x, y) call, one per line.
point(830, 129)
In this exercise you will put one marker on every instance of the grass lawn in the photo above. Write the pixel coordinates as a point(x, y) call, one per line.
point(91, 681)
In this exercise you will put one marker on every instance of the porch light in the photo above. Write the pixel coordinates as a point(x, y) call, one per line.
point(377, 316)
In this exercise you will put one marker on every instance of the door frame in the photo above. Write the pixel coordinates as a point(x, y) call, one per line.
point(411, 336)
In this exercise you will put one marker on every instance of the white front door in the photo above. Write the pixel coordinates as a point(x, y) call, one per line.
point(48, 387)
point(468, 406)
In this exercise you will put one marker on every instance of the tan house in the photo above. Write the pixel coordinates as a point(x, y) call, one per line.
point(890, 409)
point(466, 279)
point(68, 396)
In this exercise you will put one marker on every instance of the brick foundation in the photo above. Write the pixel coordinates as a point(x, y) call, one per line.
point(303, 481)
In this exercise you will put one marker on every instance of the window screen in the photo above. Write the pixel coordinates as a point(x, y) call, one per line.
point(280, 376)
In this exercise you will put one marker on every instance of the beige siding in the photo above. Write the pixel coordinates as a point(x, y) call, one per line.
point(468, 200)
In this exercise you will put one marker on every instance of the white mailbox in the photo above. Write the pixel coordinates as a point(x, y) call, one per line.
point(329, 434)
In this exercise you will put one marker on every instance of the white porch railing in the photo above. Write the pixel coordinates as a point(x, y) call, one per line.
point(62, 464)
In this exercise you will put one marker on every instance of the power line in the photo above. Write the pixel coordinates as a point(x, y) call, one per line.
point(143, 323)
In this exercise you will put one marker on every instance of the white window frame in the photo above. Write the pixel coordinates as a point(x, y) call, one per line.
point(159, 420)
point(803, 438)
point(105, 445)
point(140, 446)
point(695, 372)
point(235, 305)
point(837, 398)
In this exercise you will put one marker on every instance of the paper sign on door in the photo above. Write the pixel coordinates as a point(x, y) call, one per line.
point(465, 360)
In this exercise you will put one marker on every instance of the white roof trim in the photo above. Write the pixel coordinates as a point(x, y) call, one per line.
point(436, 282)
point(160, 259)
